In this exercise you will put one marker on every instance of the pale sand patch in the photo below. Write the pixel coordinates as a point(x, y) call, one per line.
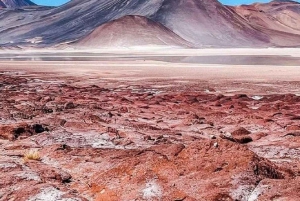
point(167, 51)
point(156, 69)
point(225, 78)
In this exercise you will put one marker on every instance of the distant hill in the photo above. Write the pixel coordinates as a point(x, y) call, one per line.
point(132, 31)
point(279, 19)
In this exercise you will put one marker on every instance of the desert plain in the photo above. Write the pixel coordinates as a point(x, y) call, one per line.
point(170, 125)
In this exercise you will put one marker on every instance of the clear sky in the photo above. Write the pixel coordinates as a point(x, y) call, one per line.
point(227, 2)
point(239, 2)
point(50, 2)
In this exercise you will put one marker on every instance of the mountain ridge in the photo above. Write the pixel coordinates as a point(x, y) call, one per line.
point(15, 3)
point(280, 19)
point(77, 19)
point(205, 23)
point(136, 31)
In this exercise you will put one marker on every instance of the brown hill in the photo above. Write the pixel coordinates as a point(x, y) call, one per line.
point(280, 20)
point(132, 31)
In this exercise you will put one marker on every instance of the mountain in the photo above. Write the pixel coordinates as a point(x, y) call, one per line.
point(15, 3)
point(207, 23)
point(277, 15)
point(131, 31)
point(279, 19)
point(2, 5)
point(203, 23)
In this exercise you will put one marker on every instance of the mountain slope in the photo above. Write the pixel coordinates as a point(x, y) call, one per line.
point(15, 3)
point(80, 17)
point(2, 5)
point(202, 22)
point(207, 22)
point(131, 31)
point(279, 19)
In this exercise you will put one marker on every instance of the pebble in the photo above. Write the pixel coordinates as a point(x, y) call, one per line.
point(213, 137)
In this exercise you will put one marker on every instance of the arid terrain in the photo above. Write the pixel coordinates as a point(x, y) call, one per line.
point(112, 100)
point(115, 23)
point(132, 129)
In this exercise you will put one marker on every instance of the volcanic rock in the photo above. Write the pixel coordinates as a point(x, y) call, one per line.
point(240, 131)
point(51, 174)
point(13, 131)
point(69, 105)
point(160, 170)
point(240, 135)
point(292, 128)
point(294, 134)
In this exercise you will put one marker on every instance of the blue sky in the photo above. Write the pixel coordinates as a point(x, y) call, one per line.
point(228, 2)
point(50, 2)
point(238, 2)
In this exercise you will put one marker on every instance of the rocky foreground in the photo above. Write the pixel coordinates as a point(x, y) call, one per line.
point(120, 140)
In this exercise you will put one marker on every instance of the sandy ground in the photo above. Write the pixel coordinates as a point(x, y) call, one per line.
point(166, 51)
point(156, 69)
point(242, 78)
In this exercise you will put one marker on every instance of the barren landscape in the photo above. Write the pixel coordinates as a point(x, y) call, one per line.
point(142, 129)
point(157, 100)
point(123, 23)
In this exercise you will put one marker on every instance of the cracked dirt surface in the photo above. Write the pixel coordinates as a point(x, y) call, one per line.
point(111, 137)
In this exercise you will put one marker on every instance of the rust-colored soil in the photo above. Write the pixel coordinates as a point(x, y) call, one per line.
point(118, 135)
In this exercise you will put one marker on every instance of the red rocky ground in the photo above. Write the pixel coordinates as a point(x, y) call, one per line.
point(145, 140)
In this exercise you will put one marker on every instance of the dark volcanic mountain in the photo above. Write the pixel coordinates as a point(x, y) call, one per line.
point(203, 23)
point(131, 31)
point(15, 3)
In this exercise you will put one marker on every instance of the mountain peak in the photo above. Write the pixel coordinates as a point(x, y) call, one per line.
point(132, 30)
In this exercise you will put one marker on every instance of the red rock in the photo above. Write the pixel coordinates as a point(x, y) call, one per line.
point(69, 105)
point(49, 173)
point(166, 151)
point(257, 136)
point(292, 128)
point(240, 135)
point(13, 131)
point(240, 131)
